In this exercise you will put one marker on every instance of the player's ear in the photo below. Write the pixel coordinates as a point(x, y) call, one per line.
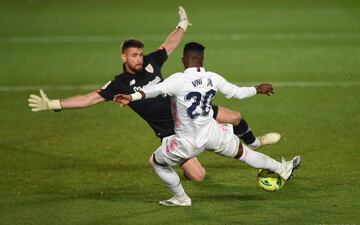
point(184, 61)
point(123, 57)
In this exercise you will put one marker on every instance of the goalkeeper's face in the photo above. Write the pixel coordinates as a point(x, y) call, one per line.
point(133, 58)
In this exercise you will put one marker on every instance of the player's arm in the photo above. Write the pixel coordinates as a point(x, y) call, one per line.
point(149, 92)
point(232, 91)
point(175, 37)
point(43, 103)
point(81, 101)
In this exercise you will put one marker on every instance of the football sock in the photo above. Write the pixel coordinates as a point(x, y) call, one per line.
point(259, 160)
point(243, 131)
point(170, 178)
point(256, 144)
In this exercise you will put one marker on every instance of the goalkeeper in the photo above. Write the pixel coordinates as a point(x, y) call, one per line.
point(143, 70)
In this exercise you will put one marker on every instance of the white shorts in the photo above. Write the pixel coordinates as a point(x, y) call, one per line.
point(177, 150)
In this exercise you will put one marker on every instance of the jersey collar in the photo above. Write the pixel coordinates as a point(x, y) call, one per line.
point(195, 70)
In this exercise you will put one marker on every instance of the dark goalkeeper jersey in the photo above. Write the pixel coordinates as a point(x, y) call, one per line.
point(156, 111)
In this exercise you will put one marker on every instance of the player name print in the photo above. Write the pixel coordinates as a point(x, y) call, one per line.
point(198, 82)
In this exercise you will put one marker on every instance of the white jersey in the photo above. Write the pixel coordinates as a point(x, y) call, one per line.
point(192, 93)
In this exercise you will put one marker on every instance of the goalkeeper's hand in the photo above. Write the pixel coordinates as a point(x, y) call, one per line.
point(122, 99)
point(183, 19)
point(42, 102)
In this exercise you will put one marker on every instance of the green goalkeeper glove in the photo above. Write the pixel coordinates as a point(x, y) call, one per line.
point(42, 102)
point(184, 22)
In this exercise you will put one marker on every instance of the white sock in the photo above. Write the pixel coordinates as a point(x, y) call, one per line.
point(170, 179)
point(259, 160)
point(256, 144)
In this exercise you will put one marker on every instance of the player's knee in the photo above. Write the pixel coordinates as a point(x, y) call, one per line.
point(151, 160)
point(198, 175)
point(198, 178)
point(235, 118)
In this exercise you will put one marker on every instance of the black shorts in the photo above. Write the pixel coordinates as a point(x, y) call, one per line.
point(215, 108)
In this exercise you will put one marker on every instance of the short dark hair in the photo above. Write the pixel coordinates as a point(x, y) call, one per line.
point(131, 43)
point(192, 48)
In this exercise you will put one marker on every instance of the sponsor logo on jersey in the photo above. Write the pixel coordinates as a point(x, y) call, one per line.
point(149, 68)
point(156, 80)
point(132, 82)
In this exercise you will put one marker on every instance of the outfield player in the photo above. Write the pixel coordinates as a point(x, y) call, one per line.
point(141, 71)
point(195, 129)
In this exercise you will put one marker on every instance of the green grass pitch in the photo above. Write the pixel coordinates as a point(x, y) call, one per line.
point(91, 166)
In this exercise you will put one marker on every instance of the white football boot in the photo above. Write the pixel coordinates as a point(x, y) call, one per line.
point(266, 139)
point(177, 201)
point(288, 167)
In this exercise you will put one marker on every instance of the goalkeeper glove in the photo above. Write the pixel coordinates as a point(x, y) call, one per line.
point(42, 102)
point(184, 22)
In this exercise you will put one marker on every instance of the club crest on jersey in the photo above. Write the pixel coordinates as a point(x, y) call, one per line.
point(149, 68)
point(132, 82)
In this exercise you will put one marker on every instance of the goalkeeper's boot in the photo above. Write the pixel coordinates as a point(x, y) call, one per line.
point(288, 167)
point(177, 201)
point(266, 139)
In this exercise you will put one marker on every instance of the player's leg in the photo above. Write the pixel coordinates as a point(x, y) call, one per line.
point(262, 161)
point(193, 170)
point(173, 151)
point(242, 129)
point(231, 147)
point(171, 179)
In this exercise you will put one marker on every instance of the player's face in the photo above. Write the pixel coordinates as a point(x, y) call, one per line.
point(133, 58)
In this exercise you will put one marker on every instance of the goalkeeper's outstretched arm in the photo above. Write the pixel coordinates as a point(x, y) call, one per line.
point(175, 37)
point(43, 103)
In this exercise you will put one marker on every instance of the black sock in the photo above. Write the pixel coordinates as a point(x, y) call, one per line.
point(243, 131)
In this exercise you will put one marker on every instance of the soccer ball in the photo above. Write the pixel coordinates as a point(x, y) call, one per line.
point(269, 181)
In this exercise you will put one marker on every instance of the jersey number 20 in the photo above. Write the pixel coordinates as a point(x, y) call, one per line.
point(204, 101)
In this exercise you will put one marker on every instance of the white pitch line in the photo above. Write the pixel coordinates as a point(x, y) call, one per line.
point(52, 87)
point(308, 84)
point(157, 37)
point(286, 84)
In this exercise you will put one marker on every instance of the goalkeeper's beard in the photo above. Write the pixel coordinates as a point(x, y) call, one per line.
point(136, 69)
